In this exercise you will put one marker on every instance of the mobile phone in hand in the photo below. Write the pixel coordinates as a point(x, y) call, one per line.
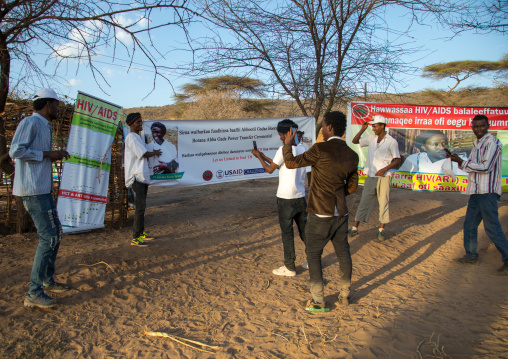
point(255, 145)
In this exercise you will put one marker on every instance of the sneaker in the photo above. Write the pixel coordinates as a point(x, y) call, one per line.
point(305, 265)
point(41, 300)
point(56, 287)
point(503, 270)
point(352, 232)
point(466, 260)
point(145, 237)
point(313, 306)
point(284, 271)
point(381, 236)
point(139, 242)
point(343, 300)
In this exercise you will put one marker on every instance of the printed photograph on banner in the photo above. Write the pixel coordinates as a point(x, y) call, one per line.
point(161, 136)
point(424, 150)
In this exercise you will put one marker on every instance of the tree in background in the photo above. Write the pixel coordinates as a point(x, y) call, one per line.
point(483, 16)
point(315, 52)
point(78, 29)
point(221, 97)
point(462, 70)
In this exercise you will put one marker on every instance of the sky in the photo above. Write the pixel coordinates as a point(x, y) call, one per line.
point(134, 87)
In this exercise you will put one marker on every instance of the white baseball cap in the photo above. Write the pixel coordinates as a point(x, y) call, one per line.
point(378, 119)
point(47, 93)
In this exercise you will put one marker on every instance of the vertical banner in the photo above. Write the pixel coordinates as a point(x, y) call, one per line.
point(84, 185)
point(421, 133)
point(200, 152)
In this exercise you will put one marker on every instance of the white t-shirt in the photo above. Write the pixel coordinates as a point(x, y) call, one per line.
point(291, 181)
point(380, 154)
point(420, 162)
point(168, 150)
point(135, 165)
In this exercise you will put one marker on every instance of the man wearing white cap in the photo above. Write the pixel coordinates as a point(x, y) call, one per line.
point(33, 181)
point(383, 155)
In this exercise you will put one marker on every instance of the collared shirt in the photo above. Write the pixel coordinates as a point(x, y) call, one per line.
point(33, 174)
point(135, 165)
point(484, 166)
point(380, 154)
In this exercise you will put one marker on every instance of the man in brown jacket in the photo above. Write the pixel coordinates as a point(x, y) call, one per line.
point(334, 176)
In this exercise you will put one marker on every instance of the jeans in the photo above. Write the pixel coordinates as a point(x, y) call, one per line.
point(140, 190)
point(42, 209)
point(318, 232)
point(484, 206)
point(291, 210)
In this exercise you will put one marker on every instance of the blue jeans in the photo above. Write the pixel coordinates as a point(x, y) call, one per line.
point(484, 206)
point(140, 191)
point(321, 230)
point(291, 210)
point(42, 209)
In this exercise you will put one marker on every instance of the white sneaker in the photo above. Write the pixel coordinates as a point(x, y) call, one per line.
point(305, 265)
point(284, 271)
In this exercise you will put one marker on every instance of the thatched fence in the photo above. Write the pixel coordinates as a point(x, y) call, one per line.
point(12, 217)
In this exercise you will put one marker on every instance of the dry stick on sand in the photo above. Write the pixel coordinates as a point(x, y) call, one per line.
point(91, 265)
point(436, 350)
point(180, 340)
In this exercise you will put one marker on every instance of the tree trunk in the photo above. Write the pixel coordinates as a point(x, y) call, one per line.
point(24, 222)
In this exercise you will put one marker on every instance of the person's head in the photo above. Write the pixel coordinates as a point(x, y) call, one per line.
point(480, 125)
point(433, 142)
point(47, 103)
point(135, 122)
point(378, 125)
point(334, 124)
point(158, 132)
point(284, 126)
point(300, 135)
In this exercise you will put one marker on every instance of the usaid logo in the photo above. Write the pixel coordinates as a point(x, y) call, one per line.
point(219, 174)
point(229, 173)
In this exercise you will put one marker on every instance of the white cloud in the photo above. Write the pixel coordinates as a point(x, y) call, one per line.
point(74, 82)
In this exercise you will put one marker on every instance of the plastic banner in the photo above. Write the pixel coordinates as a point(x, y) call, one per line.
point(200, 152)
point(419, 131)
point(85, 178)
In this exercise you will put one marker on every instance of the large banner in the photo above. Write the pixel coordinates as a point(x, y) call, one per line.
point(84, 185)
point(422, 132)
point(199, 152)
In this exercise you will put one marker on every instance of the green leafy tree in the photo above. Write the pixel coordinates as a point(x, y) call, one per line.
point(227, 83)
point(462, 70)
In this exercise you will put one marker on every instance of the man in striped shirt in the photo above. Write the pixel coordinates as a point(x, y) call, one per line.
point(484, 187)
point(33, 181)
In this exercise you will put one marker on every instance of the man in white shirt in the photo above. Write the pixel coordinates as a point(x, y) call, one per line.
point(168, 161)
point(137, 175)
point(290, 198)
point(383, 155)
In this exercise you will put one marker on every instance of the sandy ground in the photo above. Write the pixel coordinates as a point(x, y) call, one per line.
point(207, 277)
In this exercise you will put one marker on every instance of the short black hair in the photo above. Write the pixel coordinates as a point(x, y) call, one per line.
point(338, 121)
point(159, 125)
point(481, 118)
point(422, 138)
point(285, 125)
point(41, 102)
